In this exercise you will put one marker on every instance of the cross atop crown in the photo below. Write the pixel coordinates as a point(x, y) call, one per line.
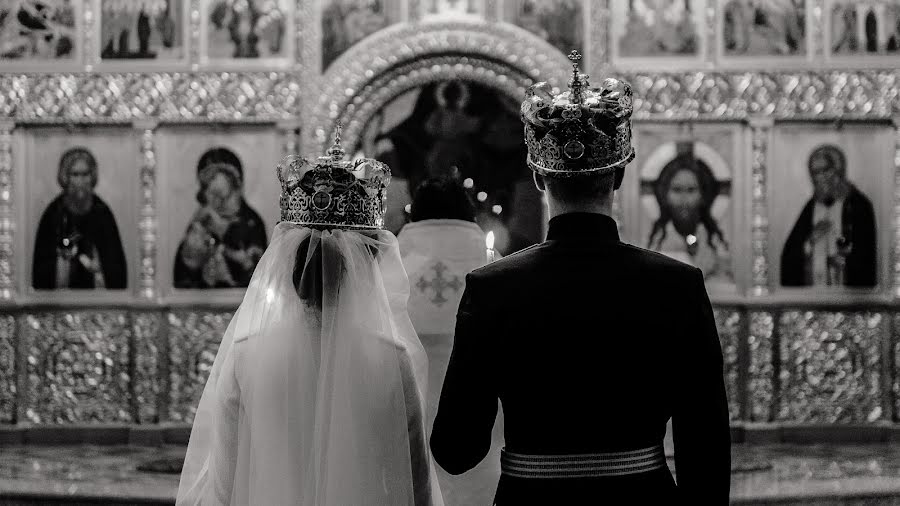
point(336, 151)
point(579, 81)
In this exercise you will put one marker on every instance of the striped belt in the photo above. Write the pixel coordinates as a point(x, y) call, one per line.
point(588, 465)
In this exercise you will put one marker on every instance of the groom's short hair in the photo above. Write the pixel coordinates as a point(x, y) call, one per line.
point(581, 188)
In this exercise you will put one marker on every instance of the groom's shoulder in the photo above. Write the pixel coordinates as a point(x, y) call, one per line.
point(521, 260)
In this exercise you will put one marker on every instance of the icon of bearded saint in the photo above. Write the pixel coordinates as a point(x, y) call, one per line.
point(686, 229)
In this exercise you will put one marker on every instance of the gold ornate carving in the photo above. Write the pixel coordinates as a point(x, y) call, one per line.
point(831, 367)
point(896, 252)
point(8, 369)
point(759, 219)
point(148, 219)
point(7, 218)
point(817, 34)
point(402, 57)
point(761, 374)
point(273, 96)
point(193, 342)
point(195, 33)
point(145, 385)
point(598, 38)
point(77, 367)
point(163, 96)
point(730, 322)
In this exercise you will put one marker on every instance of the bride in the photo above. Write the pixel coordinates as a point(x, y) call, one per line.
point(316, 396)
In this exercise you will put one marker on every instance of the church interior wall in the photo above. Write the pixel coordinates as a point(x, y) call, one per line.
point(748, 107)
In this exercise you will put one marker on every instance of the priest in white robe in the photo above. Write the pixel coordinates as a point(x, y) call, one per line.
point(440, 245)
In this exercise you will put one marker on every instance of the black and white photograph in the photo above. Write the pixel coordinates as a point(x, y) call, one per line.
point(449, 252)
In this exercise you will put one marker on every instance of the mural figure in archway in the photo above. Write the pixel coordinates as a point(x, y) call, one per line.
point(465, 130)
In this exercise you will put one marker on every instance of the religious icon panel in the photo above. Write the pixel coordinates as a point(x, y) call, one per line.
point(346, 22)
point(658, 31)
point(830, 205)
point(559, 22)
point(863, 28)
point(81, 187)
point(220, 203)
point(247, 30)
point(40, 31)
point(689, 209)
point(773, 28)
point(143, 30)
point(465, 130)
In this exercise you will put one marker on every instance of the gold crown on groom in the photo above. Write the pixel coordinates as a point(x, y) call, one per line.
point(585, 130)
point(333, 192)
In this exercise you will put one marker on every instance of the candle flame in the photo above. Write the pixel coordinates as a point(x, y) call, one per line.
point(489, 240)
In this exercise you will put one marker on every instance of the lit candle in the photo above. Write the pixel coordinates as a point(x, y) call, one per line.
point(489, 243)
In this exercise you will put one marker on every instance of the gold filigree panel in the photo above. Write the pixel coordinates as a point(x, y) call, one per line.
point(273, 96)
point(145, 383)
point(165, 96)
point(193, 340)
point(760, 371)
point(830, 367)
point(76, 368)
point(8, 369)
point(729, 321)
point(7, 215)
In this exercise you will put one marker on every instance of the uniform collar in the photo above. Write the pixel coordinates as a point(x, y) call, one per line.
point(594, 226)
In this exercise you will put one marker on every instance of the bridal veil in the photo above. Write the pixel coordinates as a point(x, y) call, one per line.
point(316, 396)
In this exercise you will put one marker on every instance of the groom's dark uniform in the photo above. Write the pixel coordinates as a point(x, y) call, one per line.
point(590, 345)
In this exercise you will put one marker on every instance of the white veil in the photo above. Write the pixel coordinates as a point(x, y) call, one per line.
point(316, 396)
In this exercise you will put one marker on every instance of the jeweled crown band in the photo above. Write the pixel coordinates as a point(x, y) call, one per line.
point(606, 169)
point(591, 465)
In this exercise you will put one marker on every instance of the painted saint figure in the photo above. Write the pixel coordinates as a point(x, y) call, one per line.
point(686, 229)
point(78, 244)
point(833, 242)
point(226, 237)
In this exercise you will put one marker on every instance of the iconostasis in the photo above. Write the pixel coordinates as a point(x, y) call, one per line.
point(133, 133)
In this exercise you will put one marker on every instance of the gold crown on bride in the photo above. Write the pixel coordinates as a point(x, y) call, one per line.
point(581, 131)
point(333, 192)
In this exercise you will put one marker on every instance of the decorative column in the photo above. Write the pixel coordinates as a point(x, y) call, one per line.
point(817, 10)
point(760, 130)
point(709, 23)
point(7, 215)
point(895, 260)
point(87, 35)
point(598, 37)
point(290, 135)
point(148, 224)
point(195, 34)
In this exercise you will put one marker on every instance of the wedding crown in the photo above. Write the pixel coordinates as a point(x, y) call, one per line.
point(580, 131)
point(333, 192)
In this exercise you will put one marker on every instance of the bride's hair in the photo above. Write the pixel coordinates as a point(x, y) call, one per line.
point(308, 277)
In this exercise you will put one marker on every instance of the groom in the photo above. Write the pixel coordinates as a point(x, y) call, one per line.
point(590, 344)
